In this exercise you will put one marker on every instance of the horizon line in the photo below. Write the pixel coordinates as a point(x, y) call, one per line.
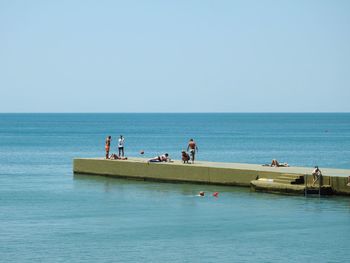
point(189, 112)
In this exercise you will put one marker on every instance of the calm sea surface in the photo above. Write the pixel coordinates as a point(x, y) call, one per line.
point(49, 215)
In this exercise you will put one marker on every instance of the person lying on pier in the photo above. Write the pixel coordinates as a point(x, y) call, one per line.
point(160, 158)
point(316, 174)
point(275, 163)
point(185, 157)
point(116, 157)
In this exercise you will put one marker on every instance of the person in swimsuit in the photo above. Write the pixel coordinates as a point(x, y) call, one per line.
point(116, 157)
point(275, 163)
point(160, 158)
point(316, 174)
point(192, 146)
point(108, 146)
point(185, 157)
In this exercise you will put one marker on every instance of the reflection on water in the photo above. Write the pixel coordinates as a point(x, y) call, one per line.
point(115, 183)
point(122, 185)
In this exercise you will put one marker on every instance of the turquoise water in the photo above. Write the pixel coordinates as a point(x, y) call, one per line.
point(49, 215)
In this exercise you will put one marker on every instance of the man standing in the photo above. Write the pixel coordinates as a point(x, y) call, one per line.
point(316, 173)
point(108, 146)
point(121, 146)
point(192, 146)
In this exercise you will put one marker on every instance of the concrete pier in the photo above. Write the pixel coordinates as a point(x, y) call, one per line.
point(235, 174)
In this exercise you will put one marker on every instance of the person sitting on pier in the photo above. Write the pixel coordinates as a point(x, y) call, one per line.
point(185, 157)
point(160, 158)
point(275, 163)
point(316, 173)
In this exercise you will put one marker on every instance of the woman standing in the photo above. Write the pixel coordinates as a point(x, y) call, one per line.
point(108, 146)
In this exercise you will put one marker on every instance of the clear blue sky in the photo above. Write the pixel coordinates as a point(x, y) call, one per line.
point(175, 56)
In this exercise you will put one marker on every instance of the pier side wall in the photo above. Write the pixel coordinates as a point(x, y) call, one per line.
point(155, 171)
point(207, 173)
point(340, 185)
point(169, 172)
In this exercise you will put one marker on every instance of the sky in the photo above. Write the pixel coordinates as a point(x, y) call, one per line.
point(175, 56)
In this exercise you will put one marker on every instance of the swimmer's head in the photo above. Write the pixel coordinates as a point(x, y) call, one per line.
point(201, 193)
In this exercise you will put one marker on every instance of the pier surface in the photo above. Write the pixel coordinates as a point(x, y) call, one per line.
point(238, 174)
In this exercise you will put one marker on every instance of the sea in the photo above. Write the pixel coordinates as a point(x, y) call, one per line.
point(49, 214)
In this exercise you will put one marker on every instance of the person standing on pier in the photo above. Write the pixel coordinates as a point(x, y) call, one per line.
point(121, 146)
point(192, 146)
point(316, 174)
point(108, 146)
